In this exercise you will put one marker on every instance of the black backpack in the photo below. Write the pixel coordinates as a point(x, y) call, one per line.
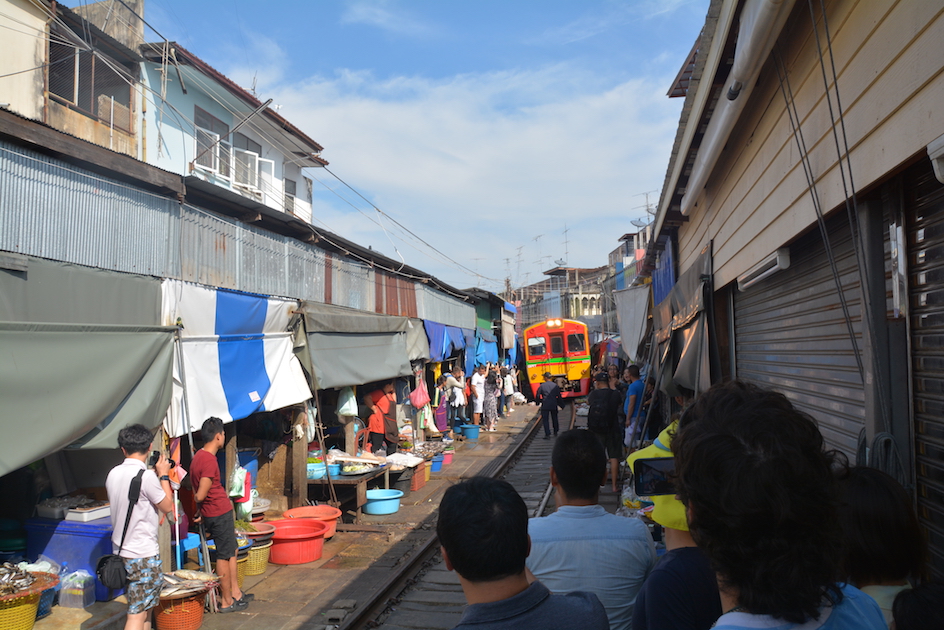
point(601, 414)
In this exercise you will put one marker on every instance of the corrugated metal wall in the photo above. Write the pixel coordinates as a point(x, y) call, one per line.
point(925, 198)
point(439, 307)
point(791, 335)
point(351, 284)
point(61, 212)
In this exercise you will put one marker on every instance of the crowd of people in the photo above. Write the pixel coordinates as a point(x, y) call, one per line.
point(489, 392)
point(765, 528)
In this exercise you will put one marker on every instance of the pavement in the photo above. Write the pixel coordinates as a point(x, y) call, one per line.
point(304, 596)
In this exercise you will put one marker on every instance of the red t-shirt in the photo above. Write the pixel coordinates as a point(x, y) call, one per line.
point(217, 501)
point(375, 424)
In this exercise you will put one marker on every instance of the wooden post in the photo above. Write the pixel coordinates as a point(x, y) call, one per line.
point(299, 461)
point(350, 435)
point(232, 458)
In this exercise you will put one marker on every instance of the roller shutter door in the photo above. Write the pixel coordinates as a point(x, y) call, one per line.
point(790, 335)
point(925, 207)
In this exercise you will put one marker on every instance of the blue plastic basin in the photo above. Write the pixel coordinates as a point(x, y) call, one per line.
point(316, 471)
point(471, 431)
point(383, 501)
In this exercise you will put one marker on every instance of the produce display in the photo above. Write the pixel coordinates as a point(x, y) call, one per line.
point(352, 468)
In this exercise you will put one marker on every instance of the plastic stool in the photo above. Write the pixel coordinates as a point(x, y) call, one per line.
point(192, 541)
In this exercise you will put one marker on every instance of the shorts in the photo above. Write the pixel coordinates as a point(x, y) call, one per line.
point(612, 441)
point(477, 405)
point(222, 529)
point(145, 582)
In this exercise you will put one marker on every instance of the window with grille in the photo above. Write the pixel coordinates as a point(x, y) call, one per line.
point(214, 150)
point(290, 189)
point(91, 83)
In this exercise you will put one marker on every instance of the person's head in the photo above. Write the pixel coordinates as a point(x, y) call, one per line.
point(882, 539)
point(547, 376)
point(612, 370)
point(921, 608)
point(601, 381)
point(481, 369)
point(492, 378)
point(761, 497)
point(387, 388)
point(135, 439)
point(633, 372)
point(504, 372)
point(650, 384)
point(626, 376)
point(483, 529)
point(579, 464)
point(212, 427)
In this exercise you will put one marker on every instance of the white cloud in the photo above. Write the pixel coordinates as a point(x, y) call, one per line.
point(255, 59)
point(383, 15)
point(479, 164)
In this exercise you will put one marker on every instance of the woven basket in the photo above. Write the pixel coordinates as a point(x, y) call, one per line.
point(180, 614)
point(258, 559)
point(46, 601)
point(18, 611)
point(241, 570)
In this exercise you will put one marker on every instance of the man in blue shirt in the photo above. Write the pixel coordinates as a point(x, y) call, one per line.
point(483, 530)
point(551, 399)
point(581, 543)
point(633, 403)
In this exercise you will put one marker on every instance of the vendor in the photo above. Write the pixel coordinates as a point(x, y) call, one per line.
point(382, 424)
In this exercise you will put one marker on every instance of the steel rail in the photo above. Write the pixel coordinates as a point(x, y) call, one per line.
point(394, 585)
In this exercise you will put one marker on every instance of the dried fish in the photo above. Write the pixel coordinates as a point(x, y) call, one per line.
point(13, 580)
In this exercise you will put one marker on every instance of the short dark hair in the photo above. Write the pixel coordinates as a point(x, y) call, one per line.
point(135, 439)
point(633, 371)
point(579, 461)
point(211, 426)
point(921, 608)
point(883, 541)
point(762, 498)
point(483, 526)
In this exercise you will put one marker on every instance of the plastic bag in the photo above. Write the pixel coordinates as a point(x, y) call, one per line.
point(419, 397)
point(237, 482)
point(347, 404)
point(78, 590)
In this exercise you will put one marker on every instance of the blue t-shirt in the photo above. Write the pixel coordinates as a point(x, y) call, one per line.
point(680, 593)
point(856, 611)
point(637, 389)
point(536, 607)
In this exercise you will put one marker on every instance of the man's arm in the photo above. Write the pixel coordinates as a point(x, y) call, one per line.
point(203, 489)
point(630, 407)
point(161, 469)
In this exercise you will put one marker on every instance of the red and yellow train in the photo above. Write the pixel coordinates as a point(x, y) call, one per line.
point(561, 347)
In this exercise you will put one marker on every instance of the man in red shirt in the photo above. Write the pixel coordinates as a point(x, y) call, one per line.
point(216, 511)
point(382, 424)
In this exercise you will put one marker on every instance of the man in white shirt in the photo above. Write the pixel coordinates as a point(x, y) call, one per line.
point(582, 545)
point(478, 393)
point(140, 549)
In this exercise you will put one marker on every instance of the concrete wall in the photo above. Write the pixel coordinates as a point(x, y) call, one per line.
point(889, 62)
point(22, 28)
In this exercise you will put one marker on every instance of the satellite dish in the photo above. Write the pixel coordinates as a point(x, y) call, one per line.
point(560, 263)
point(640, 223)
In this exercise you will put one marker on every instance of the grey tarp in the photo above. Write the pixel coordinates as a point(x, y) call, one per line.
point(680, 320)
point(632, 313)
point(351, 347)
point(78, 383)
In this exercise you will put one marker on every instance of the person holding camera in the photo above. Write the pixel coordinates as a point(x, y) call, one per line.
point(138, 546)
point(215, 510)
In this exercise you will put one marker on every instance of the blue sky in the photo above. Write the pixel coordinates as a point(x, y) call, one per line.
point(478, 125)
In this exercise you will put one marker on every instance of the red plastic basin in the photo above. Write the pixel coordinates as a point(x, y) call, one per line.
point(297, 541)
point(325, 513)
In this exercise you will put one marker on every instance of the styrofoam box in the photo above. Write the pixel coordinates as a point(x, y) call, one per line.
point(44, 511)
point(85, 515)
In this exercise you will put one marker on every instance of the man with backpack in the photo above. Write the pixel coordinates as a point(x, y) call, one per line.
point(603, 422)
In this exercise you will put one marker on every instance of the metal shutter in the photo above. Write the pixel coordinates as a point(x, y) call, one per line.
point(925, 207)
point(790, 335)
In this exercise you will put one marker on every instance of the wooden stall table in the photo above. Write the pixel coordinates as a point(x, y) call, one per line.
point(358, 483)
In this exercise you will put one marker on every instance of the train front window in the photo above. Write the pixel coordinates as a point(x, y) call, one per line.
point(576, 343)
point(557, 345)
point(537, 346)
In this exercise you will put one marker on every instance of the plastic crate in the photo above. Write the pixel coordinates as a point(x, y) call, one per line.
point(79, 545)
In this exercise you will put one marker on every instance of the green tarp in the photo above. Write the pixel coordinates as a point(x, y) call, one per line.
point(78, 384)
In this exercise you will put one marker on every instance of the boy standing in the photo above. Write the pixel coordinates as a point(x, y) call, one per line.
point(215, 510)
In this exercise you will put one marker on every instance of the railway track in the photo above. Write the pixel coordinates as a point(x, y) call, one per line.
point(401, 600)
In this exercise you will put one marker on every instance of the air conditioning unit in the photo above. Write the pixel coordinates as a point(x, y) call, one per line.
point(777, 261)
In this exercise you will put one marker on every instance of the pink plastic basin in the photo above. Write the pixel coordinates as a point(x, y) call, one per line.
point(297, 541)
point(325, 513)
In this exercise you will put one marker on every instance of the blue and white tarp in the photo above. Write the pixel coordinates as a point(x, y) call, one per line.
point(235, 355)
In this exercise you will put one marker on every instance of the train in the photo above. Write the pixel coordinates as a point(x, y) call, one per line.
point(561, 347)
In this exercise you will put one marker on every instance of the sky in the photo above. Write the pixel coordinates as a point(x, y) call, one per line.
point(486, 128)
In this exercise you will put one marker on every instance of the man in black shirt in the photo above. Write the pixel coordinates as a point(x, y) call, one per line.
point(549, 395)
point(602, 421)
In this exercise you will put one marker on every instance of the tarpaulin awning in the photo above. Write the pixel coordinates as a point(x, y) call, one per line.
point(632, 313)
point(351, 347)
point(444, 340)
point(507, 329)
point(78, 384)
point(236, 351)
